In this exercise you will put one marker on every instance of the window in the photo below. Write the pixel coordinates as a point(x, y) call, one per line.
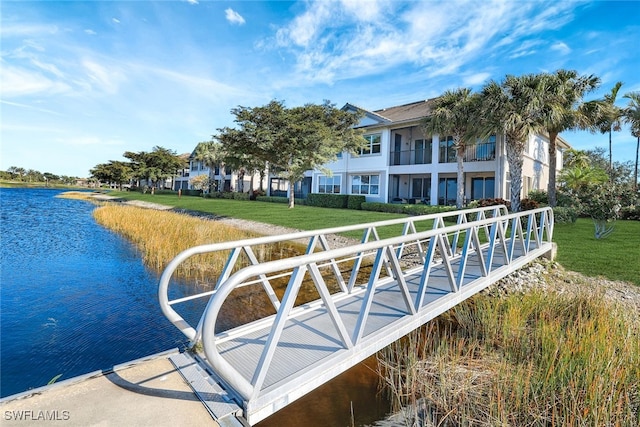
point(421, 188)
point(447, 188)
point(373, 146)
point(329, 184)
point(365, 184)
point(483, 188)
point(422, 154)
point(447, 150)
point(278, 187)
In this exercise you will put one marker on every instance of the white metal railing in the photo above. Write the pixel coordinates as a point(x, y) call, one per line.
point(523, 233)
point(316, 240)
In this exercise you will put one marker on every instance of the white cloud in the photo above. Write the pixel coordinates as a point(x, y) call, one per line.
point(475, 79)
point(561, 47)
point(234, 17)
point(106, 79)
point(90, 32)
point(18, 82)
point(192, 1)
point(115, 20)
point(355, 38)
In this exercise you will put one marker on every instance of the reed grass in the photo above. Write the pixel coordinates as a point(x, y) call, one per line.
point(524, 360)
point(161, 235)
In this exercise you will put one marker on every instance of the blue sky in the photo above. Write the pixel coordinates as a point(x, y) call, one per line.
point(84, 81)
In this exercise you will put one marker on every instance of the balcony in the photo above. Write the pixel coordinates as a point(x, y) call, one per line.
point(482, 152)
point(410, 157)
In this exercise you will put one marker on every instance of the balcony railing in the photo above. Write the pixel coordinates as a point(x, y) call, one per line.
point(410, 157)
point(480, 152)
point(473, 153)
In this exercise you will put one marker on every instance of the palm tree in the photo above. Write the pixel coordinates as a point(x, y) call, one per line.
point(451, 116)
point(563, 109)
point(611, 119)
point(210, 153)
point(631, 115)
point(513, 108)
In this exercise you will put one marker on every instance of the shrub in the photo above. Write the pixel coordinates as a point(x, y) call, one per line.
point(405, 209)
point(564, 215)
point(631, 213)
point(339, 201)
point(528, 204)
point(257, 193)
point(539, 196)
point(355, 202)
point(492, 202)
point(240, 196)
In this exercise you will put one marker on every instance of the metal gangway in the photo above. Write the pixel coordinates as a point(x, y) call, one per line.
point(370, 294)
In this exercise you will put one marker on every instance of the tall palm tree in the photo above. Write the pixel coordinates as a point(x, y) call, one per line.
point(450, 115)
point(631, 115)
point(611, 120)
point(563, 109)
point(210, 153)
point(513, 108)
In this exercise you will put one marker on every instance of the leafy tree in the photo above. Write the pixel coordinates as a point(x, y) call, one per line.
point(113, 172)
point(292, 140)
point(450, 115)
point(575, 178)
point(562, 109)
point(610, 119)
point(512, 107)
point(200, 182)
point(631, 115)
point(17, 172)
point(159, 164)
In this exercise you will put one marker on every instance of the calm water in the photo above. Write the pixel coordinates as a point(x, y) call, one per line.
point(75, 298)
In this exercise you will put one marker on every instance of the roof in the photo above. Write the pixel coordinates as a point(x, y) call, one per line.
point(411, 111)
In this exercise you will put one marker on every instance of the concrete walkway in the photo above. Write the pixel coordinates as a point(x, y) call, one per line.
point(146, 392)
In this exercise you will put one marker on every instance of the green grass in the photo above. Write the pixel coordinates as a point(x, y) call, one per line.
point(301, 217)
point(617, 257)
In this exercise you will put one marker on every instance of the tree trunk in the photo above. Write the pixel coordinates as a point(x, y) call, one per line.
point(460, 180)
point(610, 153)
point(635, 174)
point(291, 197)
point(515, 153)
point(551, 188)
point(223, 174)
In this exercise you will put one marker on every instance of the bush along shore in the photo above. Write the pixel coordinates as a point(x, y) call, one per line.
point(543, 346)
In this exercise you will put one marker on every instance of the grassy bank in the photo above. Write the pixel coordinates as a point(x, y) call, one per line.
point(301, 217)
point(525, 360)
point(616, 257)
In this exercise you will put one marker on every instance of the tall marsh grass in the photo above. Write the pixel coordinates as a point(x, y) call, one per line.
point(161, 235)
point(524, 360)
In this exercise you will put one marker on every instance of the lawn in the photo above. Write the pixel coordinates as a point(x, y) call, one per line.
point(616, 257)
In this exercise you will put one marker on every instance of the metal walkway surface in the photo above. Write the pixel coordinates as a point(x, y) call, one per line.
point(369, 295)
